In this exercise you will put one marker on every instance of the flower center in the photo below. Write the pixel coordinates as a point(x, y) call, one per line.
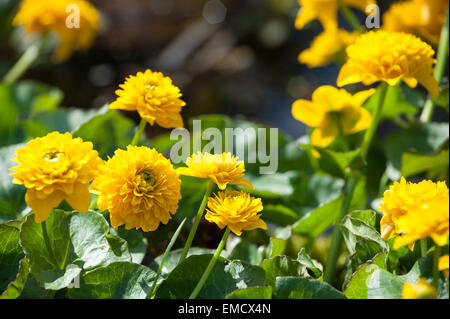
point(53, 155)
point(150, 90)
point(145, 182)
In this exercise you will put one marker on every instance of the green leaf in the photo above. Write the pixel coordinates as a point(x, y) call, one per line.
point(424, 138)
point(357, 287)
point(251, 293)
point(385, 285)
point(443, 99)
point(246, 251)
point(414, 163)
point(33, 97)
point(355, 230)
point(12, 196)
point(368, 216)
point(282, 266)
point(10, 255)
point(312, 265)
point(323, 217)
point(277, 246)
point(225, 277)
point(9, 113)
point(305, 288)
point(395, 103)
point(137, 243)
point(337, 163)
point(68, 243)
point(273, 185)
point(63, 120)
point(108, 130)
point(15, 287)
point(174, 256)
point(119, 280)
point(279, 214)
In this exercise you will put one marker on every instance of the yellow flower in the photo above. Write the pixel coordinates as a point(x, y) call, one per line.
point(154, 97)
point(422, 17)
point(332, 110)
point(327, 47)
point(54, 168)
point(237, 210)
point(222, 169)
point(420, 290)
point(443, 265)
point(416, 211)
point(326, 11)
point(50, 16)
point(139, 187)
point(389, 57)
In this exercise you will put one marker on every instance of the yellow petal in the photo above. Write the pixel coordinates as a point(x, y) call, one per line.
point(243, 182)
point(359, 98)
point(348, 75)
point(325, 134)
point(355, 120)
point(430, 83)
point(307, 112)
point(79, 199)
point(42, 207)
point(328, 98)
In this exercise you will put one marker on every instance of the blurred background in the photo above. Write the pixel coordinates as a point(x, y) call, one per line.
point(234, 57)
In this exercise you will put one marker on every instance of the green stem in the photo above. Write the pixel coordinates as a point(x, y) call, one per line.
point(166, 253)
point(436, 273)
point(350, 16)
point(196, 222)
point(337, 234)
point(24, 62)
point(210, 266)
point(423, 247)
point(139, 132)
point(376, 117)
point(439, 71)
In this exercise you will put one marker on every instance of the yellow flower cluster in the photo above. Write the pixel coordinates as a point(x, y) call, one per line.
point(422, 17)
point(45, 16)
point(54, 168)
point(415, 211)
point(139, 187)
point(389, 57)
point(333, 112)
point(327, 47)
point(237, 210)
point(420, 290)
point(222, 169)
point(154, 97)
point(326, 11)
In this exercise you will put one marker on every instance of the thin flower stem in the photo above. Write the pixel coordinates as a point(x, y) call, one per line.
point(376, 117)
point(24, 62)
point(139, 132)
point(423, 247)
point(210, 266)
point(196, 222)
point(439, 71)
point(166, 253)
point(436, 273)
point(337, 234)
point(350, 16)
